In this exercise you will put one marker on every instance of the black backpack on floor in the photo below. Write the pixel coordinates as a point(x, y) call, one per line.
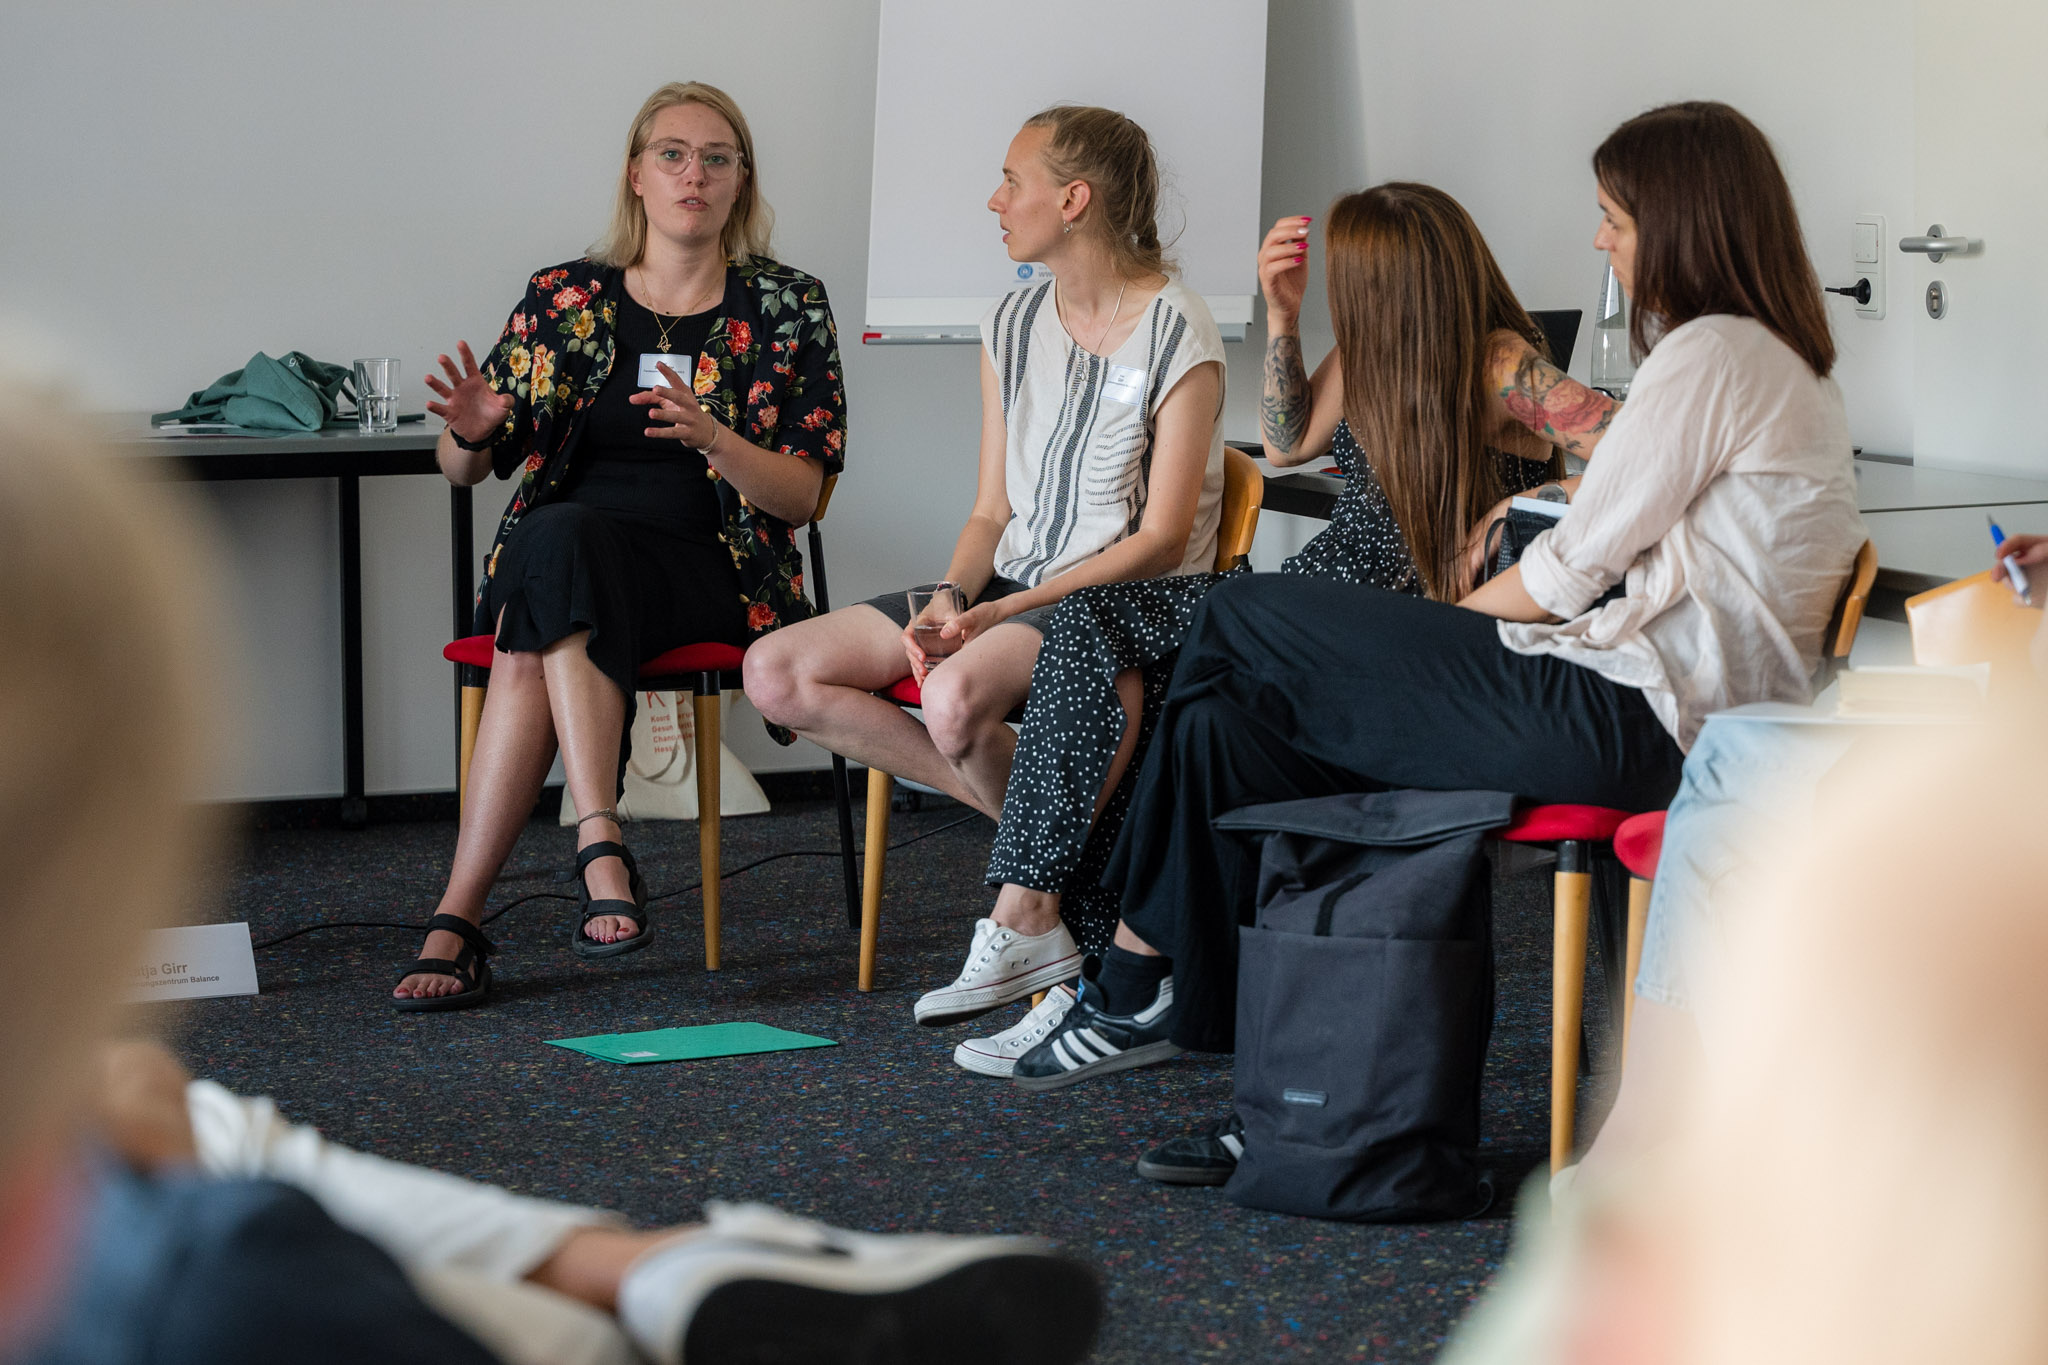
point(1364, 1005)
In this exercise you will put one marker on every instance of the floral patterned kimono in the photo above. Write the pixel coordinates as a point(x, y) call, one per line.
point(769, 370)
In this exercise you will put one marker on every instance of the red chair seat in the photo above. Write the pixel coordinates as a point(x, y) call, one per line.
point(694, 659)
point(904, 693)
point(1555, 824)
point(475, 650)
point(1640, 842)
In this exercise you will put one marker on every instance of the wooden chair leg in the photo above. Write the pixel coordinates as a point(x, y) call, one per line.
point(1638, 920)
point(1573, 899)
point(472, 718)
point(707, 715)
point(879, 786)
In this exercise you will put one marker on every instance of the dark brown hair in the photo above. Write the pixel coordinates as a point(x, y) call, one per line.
point(1414, 296)
point(1716, 231)
point(1115, 157)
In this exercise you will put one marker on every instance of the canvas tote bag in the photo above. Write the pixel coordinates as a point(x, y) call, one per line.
point(661, 776)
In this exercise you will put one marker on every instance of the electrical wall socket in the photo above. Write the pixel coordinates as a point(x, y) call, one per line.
point(1867, 262)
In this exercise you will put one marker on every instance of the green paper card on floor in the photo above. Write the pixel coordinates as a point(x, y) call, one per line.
point(690, 1044)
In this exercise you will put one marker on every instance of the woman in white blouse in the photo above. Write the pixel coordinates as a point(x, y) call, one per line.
point(1695, 569)
point(1101, 460)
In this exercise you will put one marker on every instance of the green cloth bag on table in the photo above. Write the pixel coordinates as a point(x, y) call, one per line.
point(291, 393)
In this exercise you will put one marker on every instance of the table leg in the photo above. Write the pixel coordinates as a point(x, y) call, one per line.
point(355, 809)
point(461, 550)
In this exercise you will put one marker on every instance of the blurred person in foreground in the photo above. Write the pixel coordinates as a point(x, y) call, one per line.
point(1748, 784)
point(1860, 1171)
point(148, 1217)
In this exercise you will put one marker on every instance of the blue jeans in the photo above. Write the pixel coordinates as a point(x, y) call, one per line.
point(1742, 780)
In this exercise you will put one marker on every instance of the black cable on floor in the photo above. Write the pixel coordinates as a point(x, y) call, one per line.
point(725, 875)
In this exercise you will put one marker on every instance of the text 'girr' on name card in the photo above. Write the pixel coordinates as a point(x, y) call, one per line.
point(195, 963)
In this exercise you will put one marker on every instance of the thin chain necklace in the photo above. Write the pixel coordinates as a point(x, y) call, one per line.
point(1100, 336)
point(664, 327)
point(1096, 349)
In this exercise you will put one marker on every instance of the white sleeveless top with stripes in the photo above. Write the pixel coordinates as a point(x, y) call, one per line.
point(1080, 427)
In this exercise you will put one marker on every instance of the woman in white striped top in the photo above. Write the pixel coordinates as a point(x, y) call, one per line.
point(1101, 461)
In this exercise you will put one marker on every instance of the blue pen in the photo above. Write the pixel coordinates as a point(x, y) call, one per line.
point(2013, 572)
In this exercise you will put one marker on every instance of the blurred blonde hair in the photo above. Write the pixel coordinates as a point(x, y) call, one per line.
point(104, 606)
point(751, 223)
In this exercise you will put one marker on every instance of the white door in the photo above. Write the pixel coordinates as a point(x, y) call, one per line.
point(1980, 120)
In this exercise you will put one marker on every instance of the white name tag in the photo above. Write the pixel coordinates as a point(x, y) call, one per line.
point(195, 964)
point(685, 366)
point(1126, 384)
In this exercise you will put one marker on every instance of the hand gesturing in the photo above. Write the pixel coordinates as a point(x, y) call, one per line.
point(469, 405)
point(678, 411)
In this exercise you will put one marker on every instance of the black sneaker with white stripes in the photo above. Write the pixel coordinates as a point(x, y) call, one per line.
point(1089, 1042)
point(1206, 1156)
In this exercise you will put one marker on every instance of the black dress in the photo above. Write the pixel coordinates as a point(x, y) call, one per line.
point(1046, 839)
point(630, 551)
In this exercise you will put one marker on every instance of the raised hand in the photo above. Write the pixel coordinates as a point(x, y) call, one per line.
point(677, 411)
point(468, 403)
point(1283, 272)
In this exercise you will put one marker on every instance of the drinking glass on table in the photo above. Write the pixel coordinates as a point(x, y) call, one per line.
point(377, 394)
point(931, 606)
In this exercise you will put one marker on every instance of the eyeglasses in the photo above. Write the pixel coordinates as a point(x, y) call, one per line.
point(673, 158)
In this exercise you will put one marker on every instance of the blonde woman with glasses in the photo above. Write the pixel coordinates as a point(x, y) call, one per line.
point(670, 405)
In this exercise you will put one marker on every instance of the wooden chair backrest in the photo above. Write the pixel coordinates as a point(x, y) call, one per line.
point(1971, 621)
point(1244, 490)
point(1855, 597)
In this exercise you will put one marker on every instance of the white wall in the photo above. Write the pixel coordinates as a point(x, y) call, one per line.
point(189, 184)
point(1503, 106)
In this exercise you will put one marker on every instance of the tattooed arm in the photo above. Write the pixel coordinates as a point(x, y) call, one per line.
point(1545, 399)
point(1297, 413)
point(1284, 400)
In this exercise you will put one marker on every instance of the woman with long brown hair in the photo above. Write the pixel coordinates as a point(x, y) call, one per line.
point(1422, 315)
point(1723, 506)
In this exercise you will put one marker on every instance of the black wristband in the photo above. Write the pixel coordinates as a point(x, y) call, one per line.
point(484, 444)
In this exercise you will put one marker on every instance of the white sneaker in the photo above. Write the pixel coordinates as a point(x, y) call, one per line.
point(1003, 965)
point(997, 1056)
point(757, 1284)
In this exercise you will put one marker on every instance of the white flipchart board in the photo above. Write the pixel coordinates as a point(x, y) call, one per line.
point(954, 81)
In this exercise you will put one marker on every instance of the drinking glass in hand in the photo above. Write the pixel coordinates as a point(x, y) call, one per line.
point(377, 395)
point(931, 606)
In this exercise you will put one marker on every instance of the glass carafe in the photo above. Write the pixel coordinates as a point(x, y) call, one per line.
point(1614, 365)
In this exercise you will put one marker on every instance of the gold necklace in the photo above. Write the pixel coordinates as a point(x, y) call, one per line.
point(660, 326)
point(663, 327)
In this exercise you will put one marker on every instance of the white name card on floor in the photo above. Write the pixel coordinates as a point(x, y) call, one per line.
point(196, 963)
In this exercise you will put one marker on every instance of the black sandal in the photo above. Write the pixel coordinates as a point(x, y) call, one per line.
point(582, 944)
point(471, 967)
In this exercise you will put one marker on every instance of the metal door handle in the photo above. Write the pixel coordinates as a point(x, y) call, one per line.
point(1935, 244)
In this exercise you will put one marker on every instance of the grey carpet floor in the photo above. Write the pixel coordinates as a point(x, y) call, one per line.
point(882, 1132)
